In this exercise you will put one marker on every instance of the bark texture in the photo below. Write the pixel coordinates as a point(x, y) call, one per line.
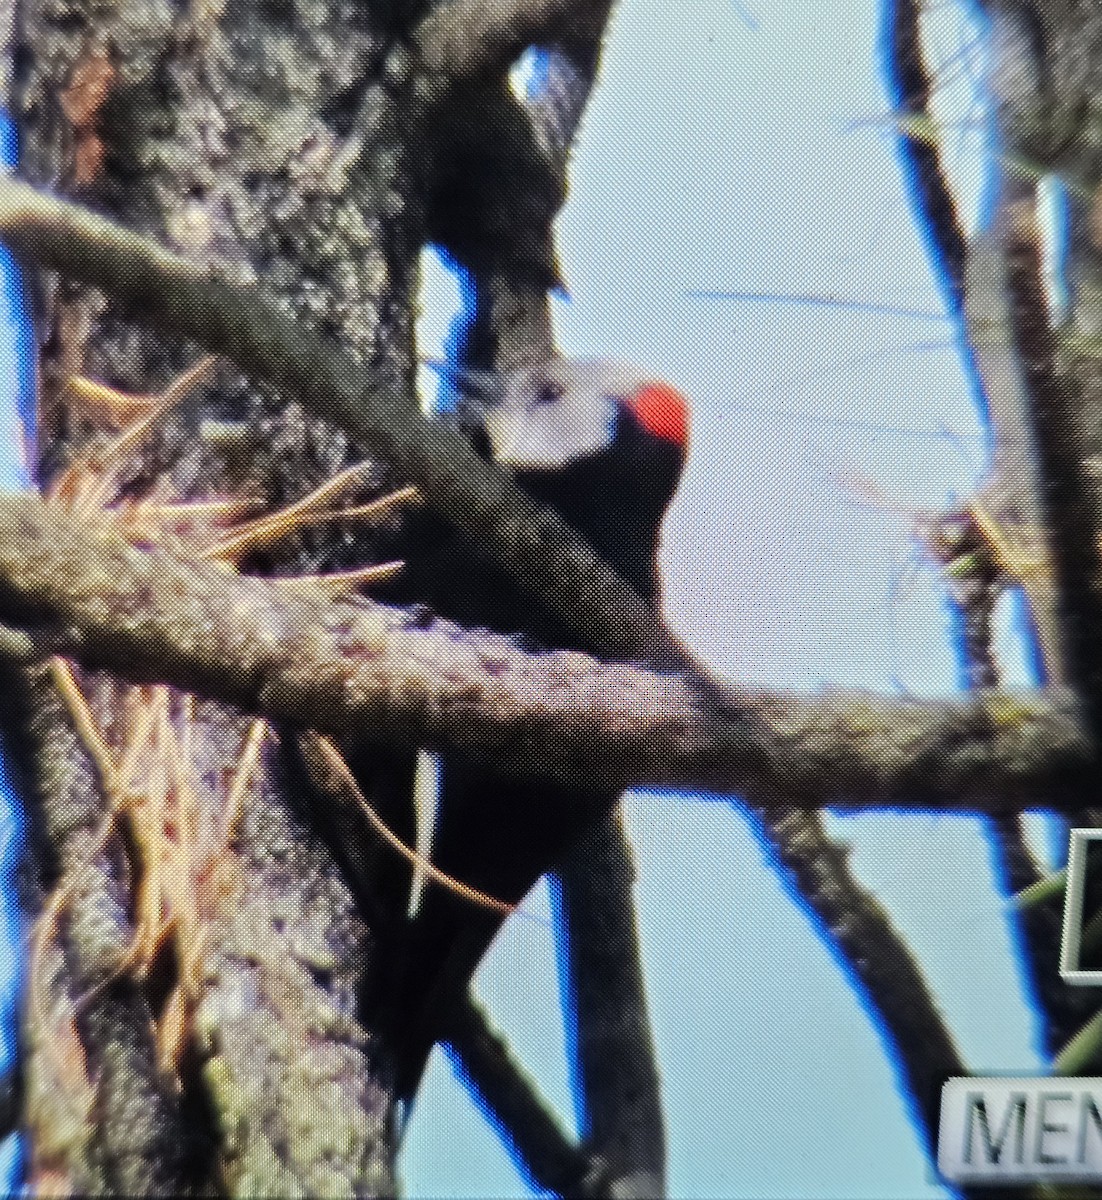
point(217, 929)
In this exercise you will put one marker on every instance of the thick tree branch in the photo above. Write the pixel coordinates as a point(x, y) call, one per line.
point(1015, 489)
point(973, 277)
point(85, 592)
point(1069, 487)
point(253, 330)
point(466, 39)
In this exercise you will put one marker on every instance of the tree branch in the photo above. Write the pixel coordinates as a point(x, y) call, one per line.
point(912, 87)
point(530, 1129)
point(466, 39)
point(1069, 490)
point(616, 1067)
point(254, 331)
point(880, 963)
point(84, 591)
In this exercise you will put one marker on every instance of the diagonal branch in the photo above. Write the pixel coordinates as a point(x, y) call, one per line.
point(254, 331)
point(543, 1151)
point(912, 89)
point(876, 957)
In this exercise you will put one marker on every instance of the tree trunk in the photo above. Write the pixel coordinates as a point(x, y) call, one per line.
point(205, 984)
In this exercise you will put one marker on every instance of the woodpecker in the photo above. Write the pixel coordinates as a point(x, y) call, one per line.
point(604, 445)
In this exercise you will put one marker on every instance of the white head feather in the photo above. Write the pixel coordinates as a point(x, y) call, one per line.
point(559, 411)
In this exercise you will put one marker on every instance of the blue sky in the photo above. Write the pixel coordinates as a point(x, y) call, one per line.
point(746, 147)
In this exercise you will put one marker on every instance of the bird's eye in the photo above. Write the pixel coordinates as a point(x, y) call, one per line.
point(549, 392)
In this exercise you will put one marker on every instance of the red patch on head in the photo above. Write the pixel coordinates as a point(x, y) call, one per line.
point(663, 411)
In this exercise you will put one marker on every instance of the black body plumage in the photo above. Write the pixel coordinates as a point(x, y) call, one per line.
point(497, 833)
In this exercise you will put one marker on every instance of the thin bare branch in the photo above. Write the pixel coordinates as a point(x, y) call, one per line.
point(882, 965)
point(617, 1067)
point(535, 1138)
point(912, 87)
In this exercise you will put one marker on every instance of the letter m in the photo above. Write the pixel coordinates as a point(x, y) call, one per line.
point(975, 1113)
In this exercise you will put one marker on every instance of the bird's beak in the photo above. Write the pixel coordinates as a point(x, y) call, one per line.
point(469, 397)
point(473, 392)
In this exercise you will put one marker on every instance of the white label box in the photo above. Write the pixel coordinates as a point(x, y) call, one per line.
point(1071, 968)
point(998, 1130)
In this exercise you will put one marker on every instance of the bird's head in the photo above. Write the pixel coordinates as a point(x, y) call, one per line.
point(544, 417)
